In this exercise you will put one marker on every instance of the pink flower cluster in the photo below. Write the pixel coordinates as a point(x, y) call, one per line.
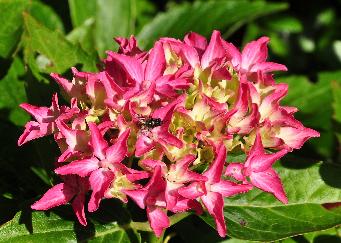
point(171, 116)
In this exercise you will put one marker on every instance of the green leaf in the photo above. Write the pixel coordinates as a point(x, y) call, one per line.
point(58, 53)
point(287, 24)
point(46, 15)
point(113, 18)
point(204, 17)
point(13, 93)
point(41, 226)
point(259, 216)
point(11, 24)
point(330, 235)
point(83, 35)
point(336, 88)
point(81, 11)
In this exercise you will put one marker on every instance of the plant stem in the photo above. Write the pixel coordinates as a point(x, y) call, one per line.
point(144, 226)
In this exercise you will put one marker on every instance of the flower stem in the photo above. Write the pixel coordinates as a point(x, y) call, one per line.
point(144, 226)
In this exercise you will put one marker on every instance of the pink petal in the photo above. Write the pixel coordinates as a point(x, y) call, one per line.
point(215, 50)
point(193, 190)
point(167, 138)
point(165, 113)
point(199, 42)
point(131, 65)
point(258, 160)
point(79, 167)
point(138, 196)
point(39, 113)
point(214, 203)
point(235, 171)
point(98, 143)
point(184, 204)
point(295, 137)
point(143, 145)
point(268, 67)
point(34, 130)
point(158, 219)
point(269, 181)
point(78, 208)
point(58, 195)
point(150, 164)
point(229, 188)
point(156, 63)
point(119, 150)
point(99, 182)
point(255, 52)
point(190, 54)
point(215, 171)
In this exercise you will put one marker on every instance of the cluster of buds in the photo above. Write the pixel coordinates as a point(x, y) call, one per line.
point(156, 127)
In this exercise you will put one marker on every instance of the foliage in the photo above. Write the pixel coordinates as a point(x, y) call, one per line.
point(40, 37)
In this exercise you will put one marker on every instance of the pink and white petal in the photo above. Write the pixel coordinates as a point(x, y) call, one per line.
point(130, 64)
point(214, 203)
point(265, 161)
point(156, 63)
point(235, 170)
point(185, 204)
point(79, 167)
point(296, 137)
point(58, 195)
point(229, 188)
point(193, 190)
point(34, 130)
point(254, 52)
point(138, 196)
point(233, 54)
point(78, 208)
point(215, 171)
point(215, 50)
point(158, 219)
point(199, 42)
point(62, 82)
point(39, 113)
point(166, 138)
point(190, 54)
point(98, 143)
point(100, 181)
point(171, 195)
point(150, 164)
point(143, 145)
point(166, 112)
point(267, 67)
point(269, 181)
point(116, 152)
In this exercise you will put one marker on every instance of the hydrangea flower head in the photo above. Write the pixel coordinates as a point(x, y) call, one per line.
point(156, 127)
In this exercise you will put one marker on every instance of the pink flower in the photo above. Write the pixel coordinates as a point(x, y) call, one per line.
point(147, 140)
point(176, 177)
point(72, 189)
point(45, 120)
point(253, 58)
point(101, 167)
point(152, 198)
point(214, 189)
point(258, 168)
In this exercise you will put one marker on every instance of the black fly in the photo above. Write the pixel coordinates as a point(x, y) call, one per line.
point(148, 123)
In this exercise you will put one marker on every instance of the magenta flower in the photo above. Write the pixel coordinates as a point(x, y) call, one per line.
point(258, 168)
point(152, 198)
point(72, 189)
point(169, 113)
point(101, 167)
point(45, 120)
point(215, 189)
